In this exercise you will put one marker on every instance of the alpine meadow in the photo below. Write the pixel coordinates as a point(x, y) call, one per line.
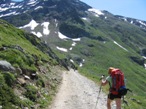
point(41, 38)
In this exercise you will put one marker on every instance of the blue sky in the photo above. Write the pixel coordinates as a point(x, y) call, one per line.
point(128, 8)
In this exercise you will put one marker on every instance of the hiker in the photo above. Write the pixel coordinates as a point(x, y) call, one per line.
point(113, 94)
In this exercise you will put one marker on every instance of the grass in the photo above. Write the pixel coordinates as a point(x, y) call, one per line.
point(27, 52)
point(102, 55)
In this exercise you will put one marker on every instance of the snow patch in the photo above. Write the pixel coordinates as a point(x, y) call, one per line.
point(142, 23)
point(81, 64)
point(84, 18)
point(38, 34)
point(95, 12)
point(76, 39)
point(73, 44)
point(145, 66)
point(144, 57)
point(3, 9)
point(31, 2)
point(71, 61)
point(120, 46)
point(12, 13)
point(46, 30)
point(62, 49)
point(39, 7)
point(124, 19)
point(70, 48)
point(32, 25)
point(61, 36)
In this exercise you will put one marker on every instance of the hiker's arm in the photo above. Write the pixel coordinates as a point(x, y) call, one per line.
point(105, 81)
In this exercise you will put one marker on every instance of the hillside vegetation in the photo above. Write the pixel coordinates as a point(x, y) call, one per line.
point(118, 45)
point(105, 40)
point(28, 75)
point(106, 43)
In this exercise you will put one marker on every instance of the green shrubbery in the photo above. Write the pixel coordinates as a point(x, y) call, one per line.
point(31, 92)
point(26, 53)
point(7, 97)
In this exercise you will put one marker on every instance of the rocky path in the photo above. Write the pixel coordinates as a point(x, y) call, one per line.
point(78, 92)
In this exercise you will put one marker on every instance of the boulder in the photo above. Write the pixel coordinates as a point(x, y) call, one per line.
point(6, 66)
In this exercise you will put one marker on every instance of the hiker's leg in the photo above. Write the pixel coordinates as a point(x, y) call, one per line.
point(109, 103)
point(118, 103)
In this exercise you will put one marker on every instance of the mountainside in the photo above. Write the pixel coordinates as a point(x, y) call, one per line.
point(91, 39)
point(29, 69)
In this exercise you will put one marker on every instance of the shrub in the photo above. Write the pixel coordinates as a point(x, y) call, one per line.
point(7, 96)
point(31, 92)
point(9, 78)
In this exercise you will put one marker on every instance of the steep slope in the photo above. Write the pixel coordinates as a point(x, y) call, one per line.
point(92, 39)
point(29, 70)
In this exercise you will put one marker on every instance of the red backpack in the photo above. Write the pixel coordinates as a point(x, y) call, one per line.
point(117, 81)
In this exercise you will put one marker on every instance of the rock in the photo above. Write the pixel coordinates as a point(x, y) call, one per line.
point(21, 81)
point(26, 77)
point(6, 66)
point(19, 71)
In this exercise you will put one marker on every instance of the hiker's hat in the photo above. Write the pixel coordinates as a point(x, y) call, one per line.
point(110, 70)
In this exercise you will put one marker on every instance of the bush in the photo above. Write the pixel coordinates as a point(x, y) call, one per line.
point(7, 96)
point(9, 79)
point(31, 92)
point(40, 82)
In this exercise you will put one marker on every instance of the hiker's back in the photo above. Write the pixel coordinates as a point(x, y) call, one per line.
point(117, 81)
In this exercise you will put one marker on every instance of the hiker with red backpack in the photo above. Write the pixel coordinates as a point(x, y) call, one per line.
point(117, 86)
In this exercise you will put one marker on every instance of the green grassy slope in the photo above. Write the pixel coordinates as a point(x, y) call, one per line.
point(29, 55)
point(100, 52)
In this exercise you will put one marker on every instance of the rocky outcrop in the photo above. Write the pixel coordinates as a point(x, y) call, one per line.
point(6, 66)
point(138, 60)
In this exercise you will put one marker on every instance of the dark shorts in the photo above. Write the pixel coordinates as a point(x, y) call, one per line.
point(112, 97)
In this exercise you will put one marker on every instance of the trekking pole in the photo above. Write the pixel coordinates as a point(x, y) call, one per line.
point(98, 96)
point(99, 91)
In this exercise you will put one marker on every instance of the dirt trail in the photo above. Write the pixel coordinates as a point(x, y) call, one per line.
point(78, 92)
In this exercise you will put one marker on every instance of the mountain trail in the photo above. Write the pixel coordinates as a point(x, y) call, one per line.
point(78, 92)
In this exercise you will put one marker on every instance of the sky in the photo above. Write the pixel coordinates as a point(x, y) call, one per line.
point(128, 8)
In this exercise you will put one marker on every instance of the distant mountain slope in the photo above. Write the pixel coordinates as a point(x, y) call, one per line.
point(91, 39)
